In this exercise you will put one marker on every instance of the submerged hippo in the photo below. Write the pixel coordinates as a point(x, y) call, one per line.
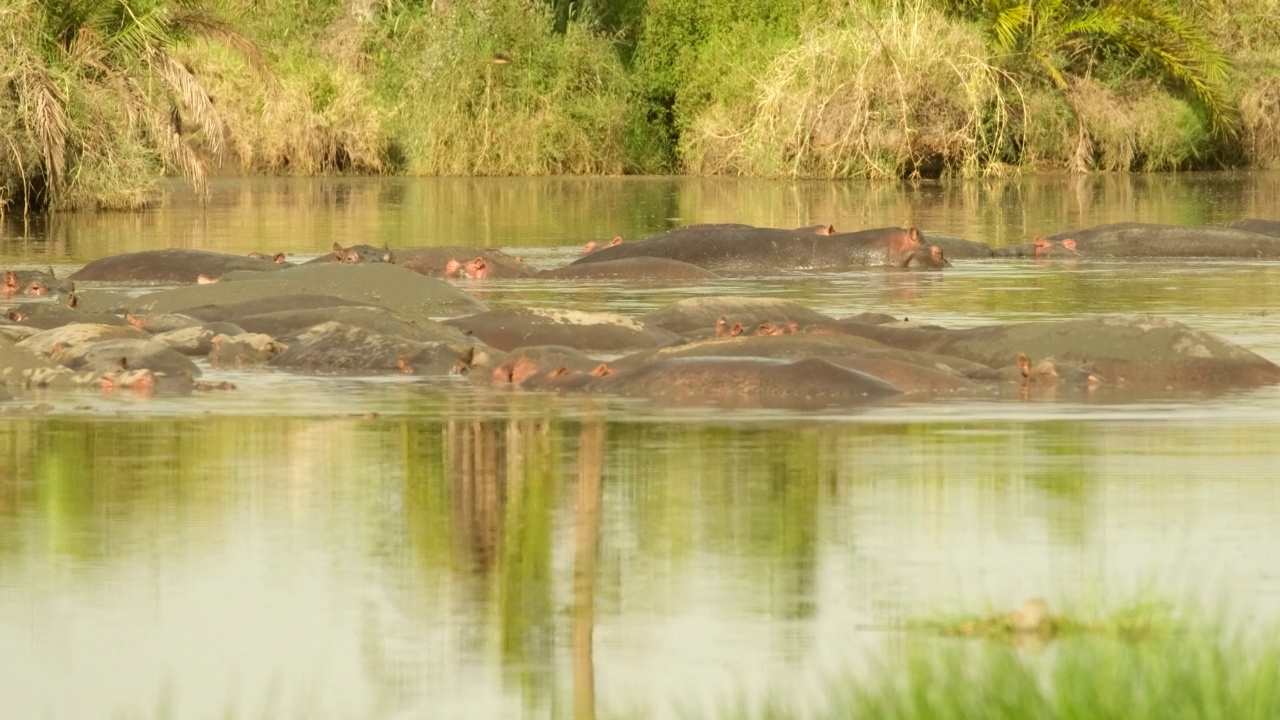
point(355, 254)
point(1146, 240)
point(35, 283)
point(169, 266)
point(742, 248)
point(1135, 350)
point(746, 382)
point(456, 261)
point(632, 269)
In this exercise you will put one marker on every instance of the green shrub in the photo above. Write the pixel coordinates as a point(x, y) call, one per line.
point(552, 104)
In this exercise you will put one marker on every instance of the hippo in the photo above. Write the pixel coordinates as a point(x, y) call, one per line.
point(35, 282)
point(1132, 350)
point(78, 333)
point(384, 284)
point(450, 261)
point(102, 357)
point(510, 328)
point(807, 384)
point(632, 269)
point(910, 371)
point(746, 249)
point(355, 254)
point(960, 248)
point(1145, 240)
point(169, 266)
point(281, 323)
point(47, 315)
point(521, 364)
point(698, 315)
point(339, 347)
point(279, 258)
point(1040, 248)
point(1257, 225)
point(592, 245)
point(243, 349)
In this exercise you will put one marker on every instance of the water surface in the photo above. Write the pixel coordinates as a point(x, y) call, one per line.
point(401, 547)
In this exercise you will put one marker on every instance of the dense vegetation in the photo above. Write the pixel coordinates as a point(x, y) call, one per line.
point(100, 98)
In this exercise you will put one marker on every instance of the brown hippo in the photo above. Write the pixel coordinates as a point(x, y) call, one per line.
point(592, 245)
point(450, 261)
point(746, 382)
point(1257, 225)
point(634, 269)
point(34, 282)
point(279, 258)
point(1145, 240)
point(355, 254)
point(382, 284)
point(698, 315)
point(1145, 351)
point(510, 328)
point(746, 249)
point(168, 266)
point(1041, 248)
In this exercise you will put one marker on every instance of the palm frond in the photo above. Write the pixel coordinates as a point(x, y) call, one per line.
point(48, 118)
point(210, 27)
point(191, 95)
point(176, 153)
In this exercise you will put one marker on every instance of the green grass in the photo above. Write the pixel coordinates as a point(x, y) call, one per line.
point(1143, 660)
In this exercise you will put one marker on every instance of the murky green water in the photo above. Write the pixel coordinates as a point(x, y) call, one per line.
point(398, 547)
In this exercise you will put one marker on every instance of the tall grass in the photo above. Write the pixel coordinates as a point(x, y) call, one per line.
point(901, 93)
point(487, 88)
point(1193, 671)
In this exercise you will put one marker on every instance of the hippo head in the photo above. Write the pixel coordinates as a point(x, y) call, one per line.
point(930, 257)
point(476, 269)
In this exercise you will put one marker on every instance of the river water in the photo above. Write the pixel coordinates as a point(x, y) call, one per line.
point(328, 547)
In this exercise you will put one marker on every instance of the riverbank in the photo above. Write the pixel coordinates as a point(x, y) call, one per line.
point(105, 103)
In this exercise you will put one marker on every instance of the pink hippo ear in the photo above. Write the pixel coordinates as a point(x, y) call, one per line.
point(278, 257)
point(914, 234)
point(1041, 242)
point(828, 230)
point(205, 280)
point(10, 281)
point(617, 240)
point(590, 247)
point(452, 267)
point(72, 300)
point(601, 370)
point(1069, 244)
point(1024, 364)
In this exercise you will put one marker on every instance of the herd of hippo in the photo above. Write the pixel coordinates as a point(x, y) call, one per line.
point(363, 309)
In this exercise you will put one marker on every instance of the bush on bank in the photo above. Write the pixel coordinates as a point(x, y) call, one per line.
point(102, 98)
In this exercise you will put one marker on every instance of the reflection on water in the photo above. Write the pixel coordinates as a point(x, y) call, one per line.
point(400, 547)
point(550, 567)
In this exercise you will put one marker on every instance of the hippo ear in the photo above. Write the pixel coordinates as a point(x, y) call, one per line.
point(559, 372)
point(601, 370)
point(72, 300)
point(1024, 364)
point(49, 270)
point(388, 256)
point(337, 248)
point(914, 233)
point(10, 280)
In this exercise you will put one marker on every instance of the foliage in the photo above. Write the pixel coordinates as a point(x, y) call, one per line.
point(1064, 43)
point(103, 100)
point(490, 89)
